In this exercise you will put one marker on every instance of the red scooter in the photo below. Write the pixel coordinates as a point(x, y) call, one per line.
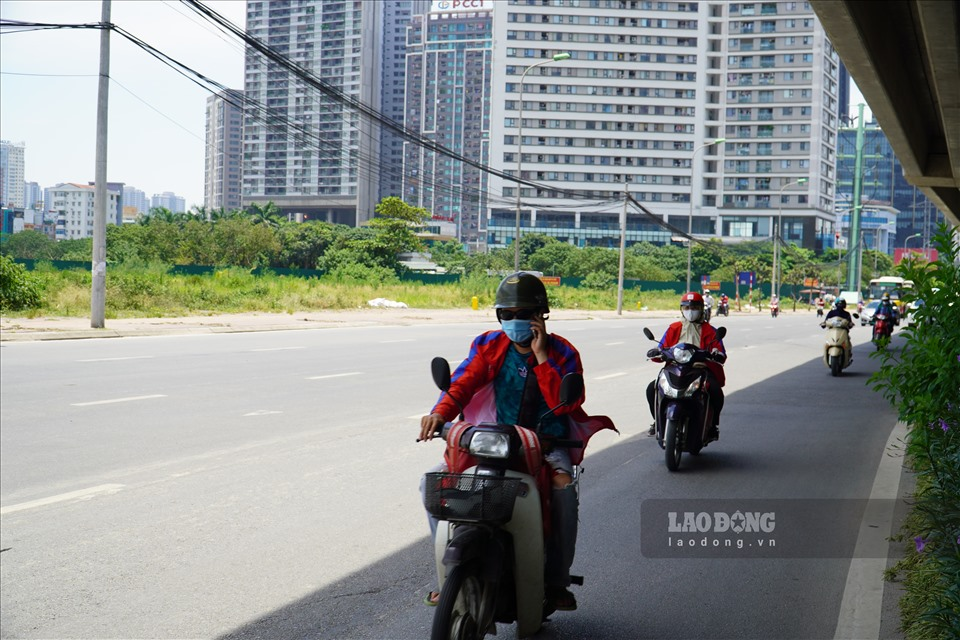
point(882, 329)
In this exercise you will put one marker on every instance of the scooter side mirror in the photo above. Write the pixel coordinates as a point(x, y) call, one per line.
point(648, 333)
point(856, 315)
point(721, 332)
point(440, 369)
point(571, 388)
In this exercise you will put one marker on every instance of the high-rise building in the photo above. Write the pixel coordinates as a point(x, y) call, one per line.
point(449, 63)
point(133, 197)
point(224, 150)
point(73, 204)
point(12, 173)
point(646, 90)
point(303, 150)
point(396, 19)
point(114, 213)
point(168, 200)
point(883, 183)
point(32, 196)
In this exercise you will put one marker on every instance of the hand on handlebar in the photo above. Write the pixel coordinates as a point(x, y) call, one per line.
point(653, 353)
point(430, 426)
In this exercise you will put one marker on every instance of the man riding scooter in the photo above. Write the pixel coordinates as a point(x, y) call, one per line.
point(840, 310)
point(693, 328)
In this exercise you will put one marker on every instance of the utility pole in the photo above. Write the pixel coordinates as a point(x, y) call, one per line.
point(623, 246)
point(98, 293)
point(853, 275)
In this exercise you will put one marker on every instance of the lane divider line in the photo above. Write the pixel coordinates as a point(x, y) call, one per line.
point(116, 359)
point(63, 497)
point(611, 375)
point(335, 375)
point(115, 400)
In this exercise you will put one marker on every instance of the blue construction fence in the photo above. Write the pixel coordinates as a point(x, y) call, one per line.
point(679, 288)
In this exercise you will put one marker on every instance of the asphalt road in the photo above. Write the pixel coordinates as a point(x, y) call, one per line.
point(264, 485)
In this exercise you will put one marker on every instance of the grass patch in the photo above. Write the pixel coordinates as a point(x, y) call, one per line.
point(153, 291)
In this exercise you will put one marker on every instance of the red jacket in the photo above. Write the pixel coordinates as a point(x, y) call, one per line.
point(472, 384)
point(708, 340)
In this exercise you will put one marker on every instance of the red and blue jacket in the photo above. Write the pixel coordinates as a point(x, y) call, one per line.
point(473, 384)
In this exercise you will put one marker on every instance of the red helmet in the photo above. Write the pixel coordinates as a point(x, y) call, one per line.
point(691, 299)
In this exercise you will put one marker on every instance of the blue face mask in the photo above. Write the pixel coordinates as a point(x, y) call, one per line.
point(518, 331)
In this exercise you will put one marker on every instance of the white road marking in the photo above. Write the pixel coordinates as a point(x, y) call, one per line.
point(613, 344)
point(862, 599)
point(63, 497)
point(335, 375)
point(611, 375)
point(393, 341)
point(130, 399)
point(279, 349)
point(261, 412)
point(113, 359)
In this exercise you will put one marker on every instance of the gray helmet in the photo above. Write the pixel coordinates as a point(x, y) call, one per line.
point(522, 290)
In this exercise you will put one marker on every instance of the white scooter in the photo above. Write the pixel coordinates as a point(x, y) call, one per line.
point(489, 547)
point(835, 353)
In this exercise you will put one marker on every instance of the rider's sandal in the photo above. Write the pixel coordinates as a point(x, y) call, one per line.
point(432, 599)
point(563, 600)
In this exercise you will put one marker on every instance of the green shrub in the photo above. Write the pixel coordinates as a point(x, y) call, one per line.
point(923, 381)
point(18, 289)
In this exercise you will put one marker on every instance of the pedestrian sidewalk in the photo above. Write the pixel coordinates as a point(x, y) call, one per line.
point(63, 328)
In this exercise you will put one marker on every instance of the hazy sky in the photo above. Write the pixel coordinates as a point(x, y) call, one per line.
point(156, 131)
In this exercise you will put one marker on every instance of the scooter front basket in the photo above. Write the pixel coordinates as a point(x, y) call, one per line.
point(470, 498)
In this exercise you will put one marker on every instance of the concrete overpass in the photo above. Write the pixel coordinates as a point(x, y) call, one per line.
point(904, 56)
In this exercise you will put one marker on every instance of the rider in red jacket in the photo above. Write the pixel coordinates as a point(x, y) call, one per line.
point(694, 329)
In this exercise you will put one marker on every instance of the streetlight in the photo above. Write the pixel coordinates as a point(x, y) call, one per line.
point(516, 239)
point(907, 239)
point(690, 219)
point(775, 289)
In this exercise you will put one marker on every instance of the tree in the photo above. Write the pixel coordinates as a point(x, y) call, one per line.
point(266, 214)
point(29, 245)
point(553, 257)
point(301, 245)
point(395, 224)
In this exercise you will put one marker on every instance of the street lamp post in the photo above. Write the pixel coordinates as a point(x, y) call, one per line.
point(908, 238)
point(777, 231)
point(516, 239)
point(693, 159)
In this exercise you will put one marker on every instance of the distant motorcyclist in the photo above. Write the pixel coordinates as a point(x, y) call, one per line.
point(885, 306)
point(707, 306)
point(694, 329)
point(724, 305)
point(820, 305)
point(840, 311)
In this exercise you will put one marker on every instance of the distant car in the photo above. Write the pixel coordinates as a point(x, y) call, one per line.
point(867, 314)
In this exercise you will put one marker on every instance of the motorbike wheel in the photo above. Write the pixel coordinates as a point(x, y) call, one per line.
point(459, 606)
point(672, 445)
point(835, 366)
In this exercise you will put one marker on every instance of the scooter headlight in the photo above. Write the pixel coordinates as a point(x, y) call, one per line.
point(683, 356)
point(671, 392)
point(490, 444)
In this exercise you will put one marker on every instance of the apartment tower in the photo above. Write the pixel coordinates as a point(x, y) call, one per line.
point(224, 151)
point(647, 89)
point(449, 62)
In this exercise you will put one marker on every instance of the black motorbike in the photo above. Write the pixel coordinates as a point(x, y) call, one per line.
point(723, 309)
point(682, 408)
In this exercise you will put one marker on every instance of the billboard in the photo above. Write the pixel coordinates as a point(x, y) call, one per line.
point(900, 254)
point(460, 6)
